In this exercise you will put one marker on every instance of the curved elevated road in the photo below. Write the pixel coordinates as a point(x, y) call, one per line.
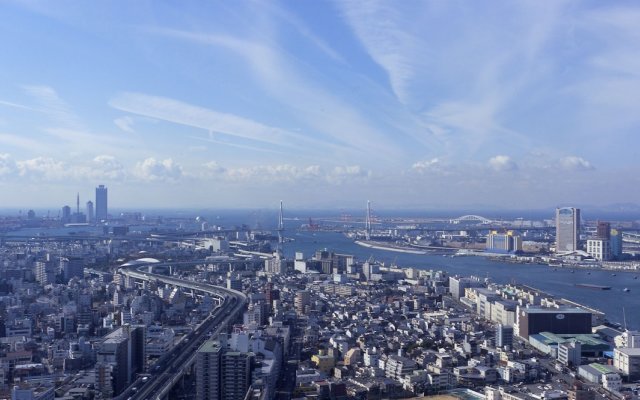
point(170, 368)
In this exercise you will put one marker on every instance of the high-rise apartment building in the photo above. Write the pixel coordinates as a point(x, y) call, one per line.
point(120, 356)
point(101, 203)
point(616, 243)
point(301, 301)
point(208, 371)
point(223, 371)
point(567, 229)
point(508, 242)
point(504, 335)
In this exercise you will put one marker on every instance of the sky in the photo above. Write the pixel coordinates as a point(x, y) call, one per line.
point(420, 104)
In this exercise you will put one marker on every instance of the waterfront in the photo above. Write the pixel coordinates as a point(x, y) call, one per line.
point(559, 282)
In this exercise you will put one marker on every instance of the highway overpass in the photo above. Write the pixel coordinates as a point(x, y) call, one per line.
point(170, 368)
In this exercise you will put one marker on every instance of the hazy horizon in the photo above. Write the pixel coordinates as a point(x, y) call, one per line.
point(302, 214)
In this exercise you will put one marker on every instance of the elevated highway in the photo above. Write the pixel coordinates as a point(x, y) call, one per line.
point(171, 367)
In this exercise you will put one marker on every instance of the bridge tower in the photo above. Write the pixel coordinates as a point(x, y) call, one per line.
point(367, 226)
point(280, 226)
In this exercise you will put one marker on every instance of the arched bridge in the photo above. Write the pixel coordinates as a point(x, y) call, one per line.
point(472, 218)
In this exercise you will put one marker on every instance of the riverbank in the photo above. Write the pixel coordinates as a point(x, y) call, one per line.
point(389, 247)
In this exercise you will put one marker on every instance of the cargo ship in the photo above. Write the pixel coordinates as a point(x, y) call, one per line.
point(595, 287)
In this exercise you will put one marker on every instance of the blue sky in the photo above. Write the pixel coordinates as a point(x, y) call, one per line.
point(240, 104)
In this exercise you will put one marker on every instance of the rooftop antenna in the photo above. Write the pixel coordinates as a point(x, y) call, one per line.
point(368, 222)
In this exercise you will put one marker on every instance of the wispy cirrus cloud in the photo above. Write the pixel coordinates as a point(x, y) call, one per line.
point(381, 27)
point(16, 105)
point(179, 112)
point(54, 106)
point(125, 124)
point(334, 121)
point(462, 77)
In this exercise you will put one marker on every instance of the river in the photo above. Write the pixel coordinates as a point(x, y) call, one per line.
point(559, 282)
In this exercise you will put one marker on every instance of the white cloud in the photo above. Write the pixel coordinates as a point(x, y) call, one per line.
point(283, 173)
point(103, 167)
point(158, 170)
point(7, 165)
point(348, 173)
point(107, 167)
point(502, 163)
point(213, 168)
point(574, 163)
point(270, 173)
point(427, 165)
point(43, 168)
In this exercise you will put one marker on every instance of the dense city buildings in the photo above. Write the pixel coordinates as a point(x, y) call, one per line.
point(150, 307)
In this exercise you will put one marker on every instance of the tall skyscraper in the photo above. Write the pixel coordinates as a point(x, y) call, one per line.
point(101, 203)
point(567, 229)
point(603, 230)
point(90, 216)
point(66, 215)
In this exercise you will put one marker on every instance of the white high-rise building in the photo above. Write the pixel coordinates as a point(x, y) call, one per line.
point(90, 216)
point(567, 229)
point(600, 249)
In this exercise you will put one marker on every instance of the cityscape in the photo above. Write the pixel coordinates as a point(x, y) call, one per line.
point(99, 305)
point(319, 200)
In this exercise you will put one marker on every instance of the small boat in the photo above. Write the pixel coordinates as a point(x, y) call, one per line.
point(592, 286)
point(635, 277)
point(613, 274)
point(626, 290)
